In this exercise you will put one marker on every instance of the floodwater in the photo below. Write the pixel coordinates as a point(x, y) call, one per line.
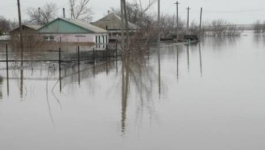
point(208, 96)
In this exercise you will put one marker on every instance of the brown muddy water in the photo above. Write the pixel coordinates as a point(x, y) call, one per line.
point(208, 96)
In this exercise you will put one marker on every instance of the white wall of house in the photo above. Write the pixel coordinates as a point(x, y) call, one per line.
point(83, 38)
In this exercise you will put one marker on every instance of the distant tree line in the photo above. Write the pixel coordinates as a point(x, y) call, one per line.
point(259, 27)
point(141, 17)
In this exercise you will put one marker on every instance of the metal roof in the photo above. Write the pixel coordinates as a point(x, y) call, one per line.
point(85, 25)
point(33, 27)
point(113, 22)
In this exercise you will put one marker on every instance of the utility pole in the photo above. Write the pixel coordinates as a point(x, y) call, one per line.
point(20, 31)
point(158, 24)
point(188, 19)
point(126, 21)
point(122, 25)
point(201, 22)
point(177, 4)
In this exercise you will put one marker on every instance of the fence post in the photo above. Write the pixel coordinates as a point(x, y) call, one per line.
point(6, 53)
point(116, 50)
point(59, 55)
point(78, 53)
point(7, 69)
point(93, 55)
point(106, 54)
point(60, 69)
point(7, 73)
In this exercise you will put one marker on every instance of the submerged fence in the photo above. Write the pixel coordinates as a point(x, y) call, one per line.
point(60, 55)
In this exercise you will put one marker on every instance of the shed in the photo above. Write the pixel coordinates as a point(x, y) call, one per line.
point(73, 30)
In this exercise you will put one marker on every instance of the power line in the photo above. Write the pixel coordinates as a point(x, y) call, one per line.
point(236, 11)
point(61, 6)
point(7, 6)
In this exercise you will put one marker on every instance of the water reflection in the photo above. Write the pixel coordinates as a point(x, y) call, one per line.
point(1, 88)
point(159, 70)
point(7, 70)
point(140, 75)
point(200, 54)
point(47, 99)
point(188, 57)
point(219, 42)
point(125, 89)
point(21, 83)
point(132, 93)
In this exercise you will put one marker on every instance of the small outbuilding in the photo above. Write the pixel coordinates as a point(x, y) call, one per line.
point(73, 31)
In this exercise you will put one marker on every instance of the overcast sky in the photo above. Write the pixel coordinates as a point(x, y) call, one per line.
point(235, 11)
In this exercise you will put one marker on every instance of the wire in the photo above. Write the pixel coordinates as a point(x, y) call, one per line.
point(62, 6)
point(225, 12)
point(8, 6)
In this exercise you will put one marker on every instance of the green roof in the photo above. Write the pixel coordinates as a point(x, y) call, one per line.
point(63, 25)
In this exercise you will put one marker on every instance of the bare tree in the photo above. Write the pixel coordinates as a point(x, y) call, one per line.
point(137, 11)
point(49, 12)
point(218, 27)
point(80, 10)
point(4, 25)
point(221, 27)
point(168, 26)
point(258, 27)
point(42, 15)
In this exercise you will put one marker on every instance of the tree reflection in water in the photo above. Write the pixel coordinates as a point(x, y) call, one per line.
point(138, 74)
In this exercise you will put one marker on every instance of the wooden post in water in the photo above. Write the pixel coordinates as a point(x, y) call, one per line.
point(106, 54)
point(6, 53)
point(7, 73)
point(78, 53)
point(116, 50)
point(116, 56)
point(60, 69)
point(94, 61)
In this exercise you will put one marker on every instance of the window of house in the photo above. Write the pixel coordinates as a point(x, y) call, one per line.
point(51, 38)
point(46, 38)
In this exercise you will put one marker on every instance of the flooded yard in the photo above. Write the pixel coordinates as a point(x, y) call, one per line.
point(206, 96)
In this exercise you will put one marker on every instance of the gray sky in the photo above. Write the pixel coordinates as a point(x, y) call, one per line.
point(235, 11)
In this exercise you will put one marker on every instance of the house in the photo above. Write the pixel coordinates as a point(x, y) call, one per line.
point(73, 31)
point(30, 35)
point(26, 29)
point(112, 23)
